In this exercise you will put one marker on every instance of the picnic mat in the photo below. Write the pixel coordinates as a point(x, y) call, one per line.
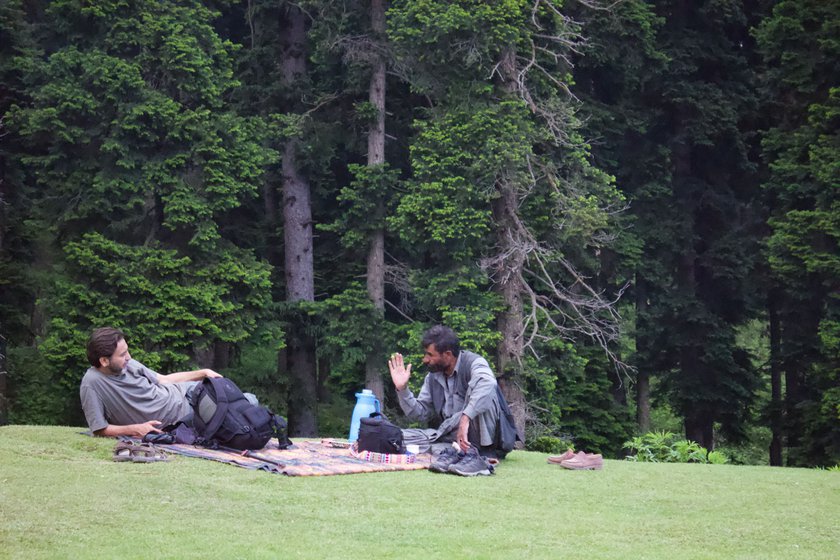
point(304, 458)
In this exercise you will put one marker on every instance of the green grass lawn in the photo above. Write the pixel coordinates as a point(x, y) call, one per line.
point(61, 496)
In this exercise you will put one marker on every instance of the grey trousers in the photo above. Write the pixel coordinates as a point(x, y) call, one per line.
point(482, 432)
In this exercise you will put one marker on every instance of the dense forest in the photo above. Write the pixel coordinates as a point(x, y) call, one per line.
point(632, 207)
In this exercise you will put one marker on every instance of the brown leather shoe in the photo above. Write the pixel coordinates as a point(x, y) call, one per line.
point(557, 459)
point(584, 462)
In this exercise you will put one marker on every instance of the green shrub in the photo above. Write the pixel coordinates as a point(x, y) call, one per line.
point(664, 447)
point(717, 457)
point(334, 417)
point(547, 444)
point(255, 370)
point(35, 394)
point(752, 450)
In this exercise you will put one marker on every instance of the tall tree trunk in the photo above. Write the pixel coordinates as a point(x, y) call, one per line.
point(509, 284)
point(4, 407)
point(297, 235)
point(776, 404)
point(4, 402)
point(643, 401)
point(376, 157)
point(642, 349)
point(698, 420)
point(799, 324)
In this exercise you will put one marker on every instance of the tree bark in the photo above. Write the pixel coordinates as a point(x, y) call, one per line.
point(376, 157)
point(509, 282)
point(511, 321)
point(297, 235)
point(4, 407)
point(698, 421)
point(799, 322)
point(642, 376)
point(643, 401)
point(4, 402)
point(776, 404)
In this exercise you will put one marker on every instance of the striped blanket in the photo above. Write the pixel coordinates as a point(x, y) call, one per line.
point(304, 458)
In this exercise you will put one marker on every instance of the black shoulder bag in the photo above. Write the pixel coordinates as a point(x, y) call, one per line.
point(379, 435)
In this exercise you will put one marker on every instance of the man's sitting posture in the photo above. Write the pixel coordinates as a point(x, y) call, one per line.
point(459, 399)
point(122, 397)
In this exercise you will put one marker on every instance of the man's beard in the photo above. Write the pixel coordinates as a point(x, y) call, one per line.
point(437, 367)
point(115, 370)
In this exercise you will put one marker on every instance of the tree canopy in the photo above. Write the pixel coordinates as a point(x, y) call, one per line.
point(630, 208)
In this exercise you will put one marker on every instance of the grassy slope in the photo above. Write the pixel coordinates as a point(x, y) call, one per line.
point(62, 497)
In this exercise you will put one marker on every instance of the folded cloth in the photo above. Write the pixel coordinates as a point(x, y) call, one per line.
point(388, 458)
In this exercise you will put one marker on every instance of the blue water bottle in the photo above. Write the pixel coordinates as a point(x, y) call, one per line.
point(366, 402)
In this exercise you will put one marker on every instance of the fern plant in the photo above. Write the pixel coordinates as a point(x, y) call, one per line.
point(664, 447)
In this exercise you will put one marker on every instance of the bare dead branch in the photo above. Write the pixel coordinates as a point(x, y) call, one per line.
point(321, 101)
point(398, 310)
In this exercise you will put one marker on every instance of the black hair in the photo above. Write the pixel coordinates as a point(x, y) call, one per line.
point(443, 338)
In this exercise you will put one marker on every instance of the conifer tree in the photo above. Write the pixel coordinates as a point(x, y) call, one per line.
point(799, 43)
point(670, 92)
point(135, 158)
point(503, 194)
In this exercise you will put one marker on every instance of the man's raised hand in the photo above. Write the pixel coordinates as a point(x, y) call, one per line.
point(399, 371)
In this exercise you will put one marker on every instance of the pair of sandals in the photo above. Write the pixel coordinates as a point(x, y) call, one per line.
point(138, 452)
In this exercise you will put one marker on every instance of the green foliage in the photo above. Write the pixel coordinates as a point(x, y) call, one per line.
point(798, 43)
point(442, 37)
point(664, 447)
point(349, 328)
point(140, 189)
point(18, 283)
point(34, 391)
point(547, 444)
point(254, 369)
point(456, 161)
point(155, 157)
point(717, 458)
point(334, 418)
point(117, 131)
point(364, 203)
point(673, 138)
point(135, 161)
point(571, 390)
point(166, 304)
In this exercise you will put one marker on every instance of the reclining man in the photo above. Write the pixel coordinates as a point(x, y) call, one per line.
point(122, 397)
point(460, 399)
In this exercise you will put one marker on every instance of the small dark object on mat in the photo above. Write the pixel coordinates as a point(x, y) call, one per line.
point(162, 437)
point(335, 443)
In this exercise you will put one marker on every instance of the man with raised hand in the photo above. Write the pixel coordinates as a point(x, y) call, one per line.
point(460, 401)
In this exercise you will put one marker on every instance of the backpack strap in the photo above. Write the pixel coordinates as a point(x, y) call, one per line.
point(218, 387)
point(279, 428)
